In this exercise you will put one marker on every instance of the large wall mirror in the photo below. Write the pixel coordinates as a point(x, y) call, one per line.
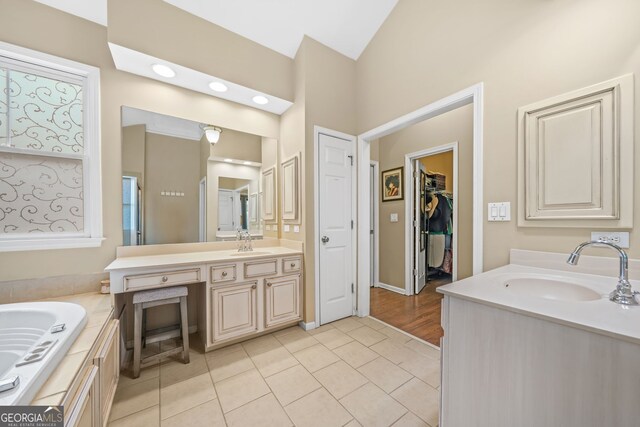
point(184, 181)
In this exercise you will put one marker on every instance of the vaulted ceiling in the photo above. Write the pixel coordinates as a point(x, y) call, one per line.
point(346, 26)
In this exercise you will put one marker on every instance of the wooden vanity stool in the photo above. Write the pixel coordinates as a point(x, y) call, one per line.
point(153, 298)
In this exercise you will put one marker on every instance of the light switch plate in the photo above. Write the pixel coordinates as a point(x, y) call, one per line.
point(287, 228)
point(296, 228)
point(275, 227)
point(393, 217)
point(500, 212)
point(620, 238)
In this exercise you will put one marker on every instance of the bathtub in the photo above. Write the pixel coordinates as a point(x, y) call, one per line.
point(34, 337)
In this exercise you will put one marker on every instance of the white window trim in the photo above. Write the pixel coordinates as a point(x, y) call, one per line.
point(92, 236)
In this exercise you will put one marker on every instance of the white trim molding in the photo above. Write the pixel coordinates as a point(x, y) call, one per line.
point(472, 95)
point(307, 326)
point(395, 289)
point(92, 235)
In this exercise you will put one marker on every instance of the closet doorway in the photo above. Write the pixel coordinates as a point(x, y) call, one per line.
point(425, 223)
point(433, 209)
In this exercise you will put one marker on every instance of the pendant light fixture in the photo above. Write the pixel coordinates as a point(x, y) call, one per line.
point(212, 133)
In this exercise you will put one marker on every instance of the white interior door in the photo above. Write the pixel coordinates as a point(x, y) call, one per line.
point(225, 210)
point(336, 285)
point(419, 236)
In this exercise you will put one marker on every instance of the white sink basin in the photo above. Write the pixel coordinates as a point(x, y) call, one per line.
point(550, 289)
point(252, 253)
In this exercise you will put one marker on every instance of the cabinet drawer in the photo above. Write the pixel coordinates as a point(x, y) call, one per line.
point(165, 278)
point(260, 268)
point(291, 265)
point(223, 273)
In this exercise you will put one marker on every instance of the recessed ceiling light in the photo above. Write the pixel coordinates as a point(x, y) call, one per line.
point(247, 163)
point(228, 160)
point(261, 100)
point(218, 87)
point(163, 70)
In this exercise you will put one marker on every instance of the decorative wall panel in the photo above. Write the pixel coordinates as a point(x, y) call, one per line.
point(576, 158)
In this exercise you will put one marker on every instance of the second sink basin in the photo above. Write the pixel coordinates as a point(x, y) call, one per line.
point(550, 289)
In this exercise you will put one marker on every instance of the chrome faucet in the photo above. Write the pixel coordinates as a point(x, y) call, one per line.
point(244, 241)
point(623, 294)
point(248, 243)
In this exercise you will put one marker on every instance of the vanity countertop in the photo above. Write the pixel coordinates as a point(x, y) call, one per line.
point(99, 309)
point(599, 315)
point(189, 258)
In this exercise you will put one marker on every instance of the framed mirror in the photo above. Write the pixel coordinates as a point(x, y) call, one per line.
point(178, 187)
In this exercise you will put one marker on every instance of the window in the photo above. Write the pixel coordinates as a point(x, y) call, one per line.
point(49, 152)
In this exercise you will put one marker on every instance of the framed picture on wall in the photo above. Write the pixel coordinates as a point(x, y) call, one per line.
point(392, 184)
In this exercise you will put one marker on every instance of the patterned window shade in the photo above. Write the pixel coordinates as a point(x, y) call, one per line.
point(42, 153)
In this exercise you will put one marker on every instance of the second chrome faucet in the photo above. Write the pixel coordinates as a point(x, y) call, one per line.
point(622, 294)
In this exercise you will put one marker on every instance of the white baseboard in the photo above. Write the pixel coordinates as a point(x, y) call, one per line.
point(391, 288)
point(307, 326)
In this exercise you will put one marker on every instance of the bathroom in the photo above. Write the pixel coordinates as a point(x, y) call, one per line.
point(337, 77)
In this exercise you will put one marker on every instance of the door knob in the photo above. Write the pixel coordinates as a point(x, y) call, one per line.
point(325, 239)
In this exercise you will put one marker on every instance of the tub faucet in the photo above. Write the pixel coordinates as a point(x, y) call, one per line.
point(623, 294)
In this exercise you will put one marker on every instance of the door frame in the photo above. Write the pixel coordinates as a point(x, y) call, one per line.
point(350, 139)
point(376, 222)
point(472, 95)
point(409, 208)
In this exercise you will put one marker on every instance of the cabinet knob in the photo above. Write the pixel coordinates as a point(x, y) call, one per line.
point(254, 286)
point(269, 284)
point(293, 265)
point(224, 274)
point(164, 279)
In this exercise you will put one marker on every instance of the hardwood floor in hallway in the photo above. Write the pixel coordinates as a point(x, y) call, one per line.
point(418, 315)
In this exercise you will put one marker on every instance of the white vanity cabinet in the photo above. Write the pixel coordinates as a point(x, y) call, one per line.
point(234, 311)
point(282, 300)
point(249, 297)
point(239, 294)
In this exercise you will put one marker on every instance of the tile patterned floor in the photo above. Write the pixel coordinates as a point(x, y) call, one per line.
point(353, 372)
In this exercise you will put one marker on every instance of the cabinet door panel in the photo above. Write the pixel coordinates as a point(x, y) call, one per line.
point(282, 300)
point(234, 311)
point(108, 361)
point(83, 410)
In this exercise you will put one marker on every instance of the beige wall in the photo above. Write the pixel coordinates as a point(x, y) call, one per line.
point(456, 125)
point(170, 166)
point(523, 52)
point(32, 25)
point(159, 29)
point(442, 163)
point(133, 146)
point(238, 145)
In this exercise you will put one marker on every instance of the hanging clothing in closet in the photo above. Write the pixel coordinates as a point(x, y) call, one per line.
point(440, 226)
